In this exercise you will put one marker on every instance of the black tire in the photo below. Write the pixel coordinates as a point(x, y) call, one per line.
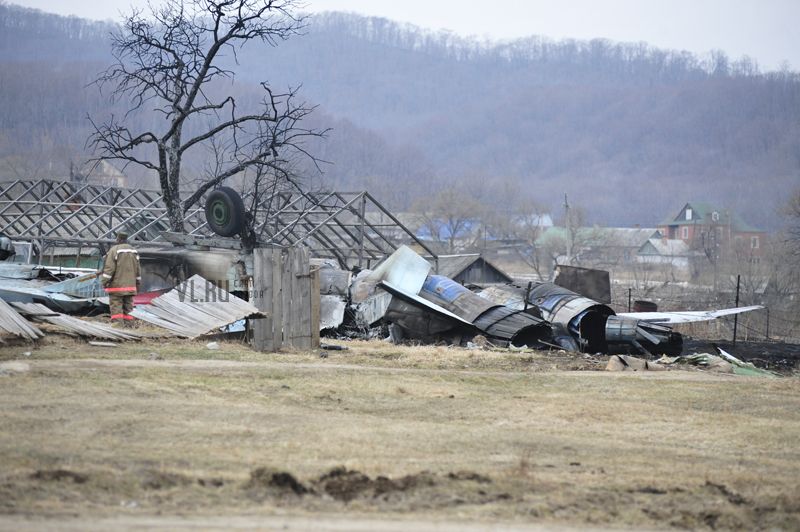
point(225, 212)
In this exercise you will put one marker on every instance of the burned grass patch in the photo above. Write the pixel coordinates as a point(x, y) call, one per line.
point(59, 475)
point(345, 485)
point(267, 481)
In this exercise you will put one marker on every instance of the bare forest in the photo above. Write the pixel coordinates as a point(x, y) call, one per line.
point(629, 131)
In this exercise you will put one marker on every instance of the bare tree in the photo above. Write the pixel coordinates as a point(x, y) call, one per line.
point(450, 216)
point(172, 62)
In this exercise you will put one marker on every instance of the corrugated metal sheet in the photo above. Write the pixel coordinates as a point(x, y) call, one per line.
point(14, 324)
point(86, 328)
point(194, 308)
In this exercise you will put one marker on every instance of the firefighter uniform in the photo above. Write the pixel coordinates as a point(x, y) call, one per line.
point(120, 278)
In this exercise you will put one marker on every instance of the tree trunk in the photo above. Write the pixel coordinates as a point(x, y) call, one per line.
point(170, 183)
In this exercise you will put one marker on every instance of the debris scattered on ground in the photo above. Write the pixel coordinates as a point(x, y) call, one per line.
point(704, 360)
point(629, 363)
point(104, 344)
point(212, 346)
point(743, 368)
point(724, 363)
point(333, 347)
point(75, 325)
point(481, 341)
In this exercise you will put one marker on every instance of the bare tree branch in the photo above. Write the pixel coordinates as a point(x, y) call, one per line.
point(168, 61)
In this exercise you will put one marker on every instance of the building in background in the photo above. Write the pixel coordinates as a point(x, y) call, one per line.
point(718, 233)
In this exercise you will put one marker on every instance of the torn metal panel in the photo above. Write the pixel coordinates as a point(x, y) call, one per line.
point(331, 312)
point(74, 325)
point(624, 331)
point(12, 323)
point(332, 279)
point(372, 309)
point(418, 322)
point(84, 287)
point(194, 308)
point(19, 271)
point(510, 325)
point(16, 291)
point(363, 286)
point(404, 270)
point(419, 302)
point(26, 283)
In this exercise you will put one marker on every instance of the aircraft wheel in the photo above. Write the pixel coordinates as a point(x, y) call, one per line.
point(225, 211)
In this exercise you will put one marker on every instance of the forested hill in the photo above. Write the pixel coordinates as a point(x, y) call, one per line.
point(630, 132)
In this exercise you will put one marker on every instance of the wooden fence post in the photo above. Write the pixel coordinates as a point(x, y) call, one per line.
point(315, 308)
point(277, 297)
point(264, 338)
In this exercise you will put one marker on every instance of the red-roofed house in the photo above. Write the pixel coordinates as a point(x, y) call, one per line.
point(717, 232)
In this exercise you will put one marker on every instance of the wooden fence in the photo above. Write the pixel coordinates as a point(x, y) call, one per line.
point(286, 291)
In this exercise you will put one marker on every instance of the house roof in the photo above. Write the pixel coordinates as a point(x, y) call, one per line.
point(702, 213)
point(666, 248)
point(453, 265)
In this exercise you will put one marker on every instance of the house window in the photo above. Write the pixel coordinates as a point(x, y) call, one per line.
point(689, 213)
point(685, 233)
point(753, 242)
point(715, 216)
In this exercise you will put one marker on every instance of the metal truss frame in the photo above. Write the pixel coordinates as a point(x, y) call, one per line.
point(333, 225)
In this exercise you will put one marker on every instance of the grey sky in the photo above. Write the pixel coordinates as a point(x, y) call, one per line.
point(762, 29)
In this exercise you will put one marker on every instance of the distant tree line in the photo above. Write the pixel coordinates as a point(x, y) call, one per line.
point(628, 130)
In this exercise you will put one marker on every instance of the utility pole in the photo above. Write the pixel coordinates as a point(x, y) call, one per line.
point(568, 226)
point(736, 316)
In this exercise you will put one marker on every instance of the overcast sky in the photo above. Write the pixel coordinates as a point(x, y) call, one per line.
point(765, 30)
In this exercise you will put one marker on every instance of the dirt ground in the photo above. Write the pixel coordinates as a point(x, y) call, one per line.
point(173, 435)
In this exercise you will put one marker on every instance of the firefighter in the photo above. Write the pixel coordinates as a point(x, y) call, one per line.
point(121, 278)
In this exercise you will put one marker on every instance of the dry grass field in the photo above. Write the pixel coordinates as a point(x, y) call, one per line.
point(173, 435)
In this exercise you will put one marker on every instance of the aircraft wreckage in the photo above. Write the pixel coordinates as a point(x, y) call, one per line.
point(416, 304)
